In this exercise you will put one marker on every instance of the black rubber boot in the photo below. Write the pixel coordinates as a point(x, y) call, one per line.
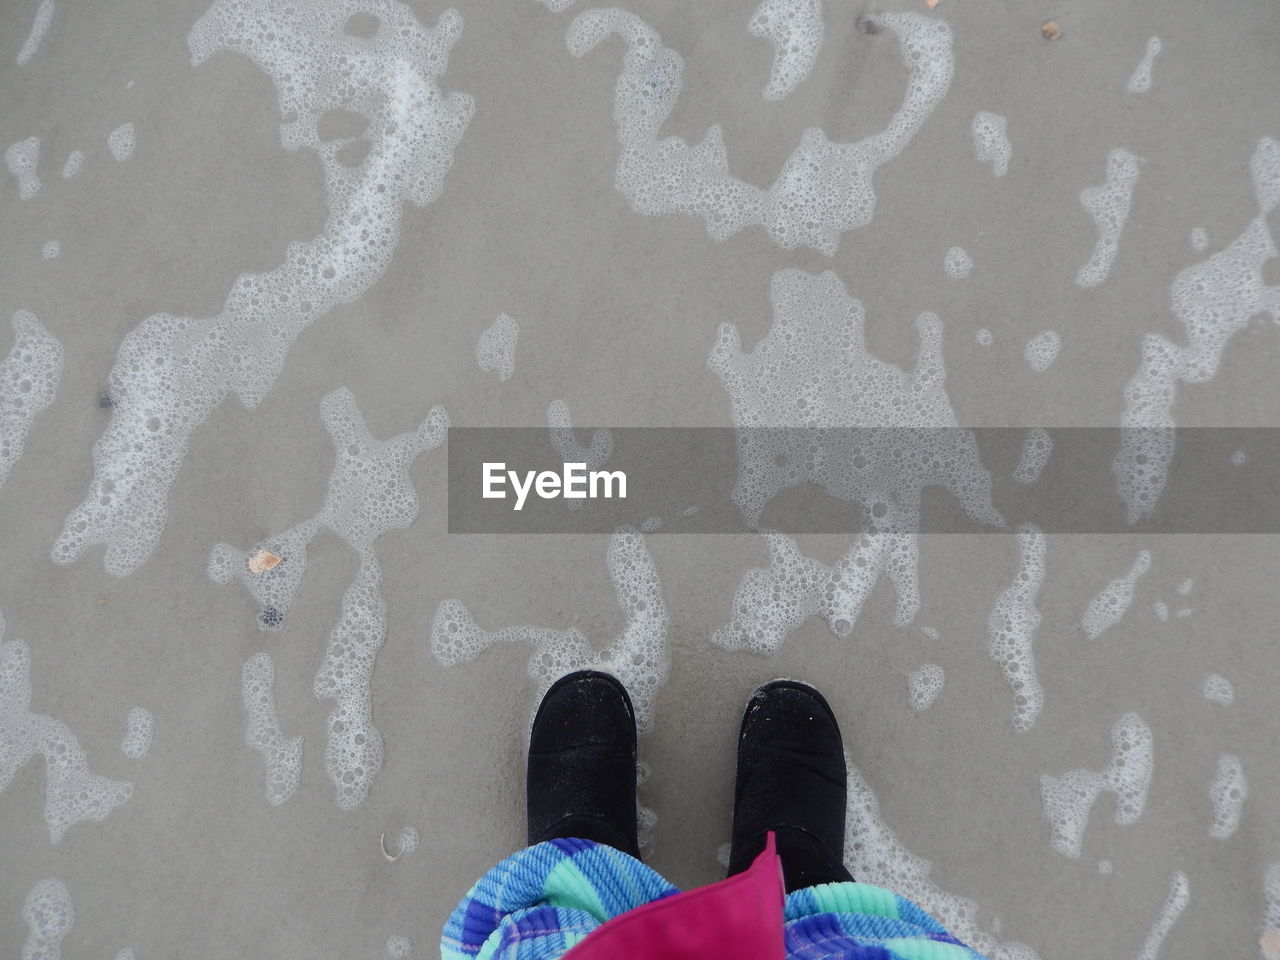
point(791, 780)
point(582, 763)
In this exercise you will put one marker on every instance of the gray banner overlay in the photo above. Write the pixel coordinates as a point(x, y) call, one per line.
point(849, 480)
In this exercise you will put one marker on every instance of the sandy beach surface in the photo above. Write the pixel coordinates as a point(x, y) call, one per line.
point(617, 310)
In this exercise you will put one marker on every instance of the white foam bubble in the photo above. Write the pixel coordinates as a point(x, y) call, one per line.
point(595, 455)
point(991, 141)
point(29, 378)
point(23, 159)
point(795, 29)
point(1108, 204)
point(646, 817)
point(1239, 458)
point(957, 263)
point(283, 757)
point(813, 370)
point(171, 372)
point(1213, 300)
point(1037, 446)
point(1041, 350)
point(1106, 609)
point(1177, 900)
point(1012, 628)
point(49, 915)
point(71, 793)
point(723, 853)
point(1068, 799)
point(398, 946)
point(1184, 612)
point(370, 493)
point(1227, 793)
point(1104, 866)
point(984, 337)
point(1161, 610)
point(566, 444)
point(51, 250)
point(771, 602)
point(126, 954)
point(1218, 689)
point(637, 657)
point(1185, 586)
point(874, 854)
point(121, 142)
point(823, 189)
point(924, 685)
point(139, 727)
point(557, 6)
point(496, 348)
point(1140, 81)
point(39, 27)
point(931, 632)
point(75, 161)
point(1269, 940)
point(1199, 240)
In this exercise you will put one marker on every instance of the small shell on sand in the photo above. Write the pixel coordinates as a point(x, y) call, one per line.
point(262, 561)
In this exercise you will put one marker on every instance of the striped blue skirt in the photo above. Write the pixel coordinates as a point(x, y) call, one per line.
point(541, 901)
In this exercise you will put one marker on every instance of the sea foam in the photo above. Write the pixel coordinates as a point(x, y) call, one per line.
point(1269, 940)
point(1213, 300)
point(23, 159)
point(874, 854)
point(957, 264)
point(282, 757)
point(496, 348)
point(1227, 793)
point(1068, 799)
point(1012, 627)
point(1140, 81)
point(1108, 204)
point(1041, 350)
point(71, 793)
point(824, 188)
point(795, 29)
point(1037, 447)
point(1177, 900)
point(139, 728)
point(813, 371)
point(370, 493)
point(991, 141)
point(122, 141)
point(39, 27)
point(49, 915)
point(1218, 689)
point(29, 378)
point(171, 372)
point(1106, 609)
point(924, 685)
point(637, 656)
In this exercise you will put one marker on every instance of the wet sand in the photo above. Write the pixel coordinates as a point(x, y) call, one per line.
point(617, 315)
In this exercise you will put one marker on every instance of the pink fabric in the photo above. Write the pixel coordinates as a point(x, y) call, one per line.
point(739, 917)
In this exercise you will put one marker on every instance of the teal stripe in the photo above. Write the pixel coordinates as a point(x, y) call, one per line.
point(567, 887)
point(912, 949)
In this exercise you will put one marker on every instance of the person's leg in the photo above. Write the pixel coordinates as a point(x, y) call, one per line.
point(582, 763)
point(791, 780)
